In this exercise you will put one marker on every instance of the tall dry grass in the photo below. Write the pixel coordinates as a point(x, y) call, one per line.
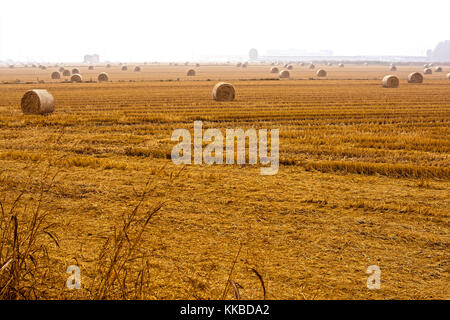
point(24, 260)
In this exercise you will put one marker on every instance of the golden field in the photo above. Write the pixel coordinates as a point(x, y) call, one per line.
point(363, 180)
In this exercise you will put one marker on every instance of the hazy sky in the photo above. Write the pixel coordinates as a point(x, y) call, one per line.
point(132, 30)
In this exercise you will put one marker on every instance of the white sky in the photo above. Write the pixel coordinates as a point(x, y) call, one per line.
point(133, 30)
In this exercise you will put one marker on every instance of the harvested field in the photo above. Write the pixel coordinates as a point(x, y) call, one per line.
point(364, 180)
point(165, 72)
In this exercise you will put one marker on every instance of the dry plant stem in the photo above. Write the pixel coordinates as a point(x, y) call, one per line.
point(231, 273)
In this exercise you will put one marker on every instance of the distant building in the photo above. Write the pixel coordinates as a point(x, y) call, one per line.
point(253, 54)
point(441, 52)
point(299, 53)
point(91, 59)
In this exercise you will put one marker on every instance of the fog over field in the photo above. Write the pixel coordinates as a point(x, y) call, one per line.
point(177, 30)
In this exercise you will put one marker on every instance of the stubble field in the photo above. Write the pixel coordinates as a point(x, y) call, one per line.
point(363, 180)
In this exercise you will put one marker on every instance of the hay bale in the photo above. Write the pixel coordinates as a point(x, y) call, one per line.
point(438, 69)
point(137, 69)
point(191, 73)
point(244, 65)
point(428, 71)
point(390, 81)
point(124, 68)
point(76, 78)
point(290, 67)
point(284, 74)
point(56, 75)
point(312, 66)
point(238, 64)
point(66, 73)
point(341, 65)
point(103, 77)
point(108, 66)
point(393, 68)
point(223, 92)
point(91, 68)
point(197, 65)
point(321, 73)
point(274, 70)
point(61, 69)
point(302, 64)
point(38, 102)
point(415, 77)
point(75, 71)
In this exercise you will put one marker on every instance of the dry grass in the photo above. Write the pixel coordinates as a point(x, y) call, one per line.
point(364, 179)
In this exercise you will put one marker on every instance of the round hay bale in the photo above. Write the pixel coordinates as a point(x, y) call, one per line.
point(438, 69)
point(341, 65)
point(415, 77)
point(56, 75)
point(321, 73)
point(197, 65)
point(66, 73)
point(91, 68)
point(137, 69)
point(448, 75)
point(124, 68)
point(61, 69)
point(75, 71)
point(245, 65)
point(290, 67)
point(390, 81)
point(312, 66)
point(238, 64)
point(284, 74)
point(103, 77)
point(274, 70)
point(191, 73)
point(76, 78)
point(108, 66)
point(428, 71)
point(37, 101)
point(302, 64)
point(223, 92)
point(393, 68)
